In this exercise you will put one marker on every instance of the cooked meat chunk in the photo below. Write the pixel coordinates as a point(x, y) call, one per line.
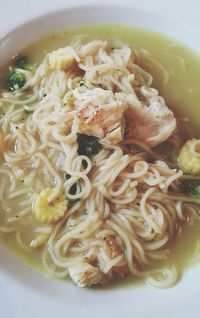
point(84, 274)
point(100, 114)
point(108, 115)
point(151, 121)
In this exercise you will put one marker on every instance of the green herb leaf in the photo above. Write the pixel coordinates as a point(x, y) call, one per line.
point(27, 111)
point(22, 62)
point(15, 81)
point(191, 188)
point(88, 145)
point(189, 185)
point(83, 83)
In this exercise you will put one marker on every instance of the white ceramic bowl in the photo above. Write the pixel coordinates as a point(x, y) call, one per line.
point(23, 291)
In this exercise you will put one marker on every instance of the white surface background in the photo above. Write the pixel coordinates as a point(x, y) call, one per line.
point(23, 292)
point(14, 12)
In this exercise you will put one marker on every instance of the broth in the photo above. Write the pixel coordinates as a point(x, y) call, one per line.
point(181, 92)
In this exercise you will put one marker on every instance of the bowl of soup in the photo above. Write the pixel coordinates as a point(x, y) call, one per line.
point(100, 161)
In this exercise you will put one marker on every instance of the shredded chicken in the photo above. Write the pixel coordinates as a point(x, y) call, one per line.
point(115, 250)
point(100, 114)
point(84, 274)
point(106, 115)
point(151, 122)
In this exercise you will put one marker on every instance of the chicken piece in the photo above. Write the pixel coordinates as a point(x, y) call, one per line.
point(84, 274)
point(105, 115)
point(111, 250)
point(91, 255)
point(150, 121)
point(116, 250)
point(100, 114)
point(114, 247)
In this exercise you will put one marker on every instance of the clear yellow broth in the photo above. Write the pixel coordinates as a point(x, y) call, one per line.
point(182, 94)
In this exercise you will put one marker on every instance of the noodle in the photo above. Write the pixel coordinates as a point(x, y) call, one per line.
point(169, 278)
point(112, 212)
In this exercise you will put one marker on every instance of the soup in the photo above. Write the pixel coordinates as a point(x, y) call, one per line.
point(99, 172)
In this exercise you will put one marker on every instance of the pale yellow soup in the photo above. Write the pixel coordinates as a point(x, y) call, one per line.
point(181, 92)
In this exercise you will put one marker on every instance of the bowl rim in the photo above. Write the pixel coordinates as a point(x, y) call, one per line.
point(122, 310)
point(74, 7)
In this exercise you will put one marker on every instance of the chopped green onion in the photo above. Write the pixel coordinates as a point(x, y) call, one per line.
point(83, 83)
point(15, 81)
point(191, 187)
point(27, 111)
point(22, 62)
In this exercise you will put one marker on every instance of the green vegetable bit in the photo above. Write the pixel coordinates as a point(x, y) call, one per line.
point(196, 192)
point(15, 81)
point(88, 145)
point(73, 188)
point(27, 111)
point(83, 83)
point(147, 79)
point(191, 187)
point(22, 62)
